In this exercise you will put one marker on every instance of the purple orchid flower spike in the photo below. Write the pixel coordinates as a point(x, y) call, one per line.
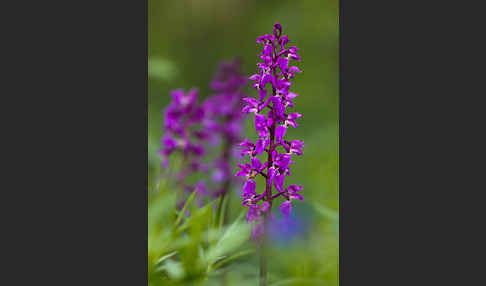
point(190, 125)
point(182, 133)
point(271, 121)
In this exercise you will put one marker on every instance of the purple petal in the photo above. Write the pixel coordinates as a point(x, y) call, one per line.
point(244, 170)
point(246, 143)
point(177, 95)
point(292, 95)
point(257, 231)
point(278, 182)
point(255, 163)
point(293, 49)
point(274, 155)
point(261, 39)
point(250, 100)
point(283, 63)
point(294, 69)
point(260, 125)
point(249, 188)
point(279, 133)
point(279, 107)
point(267, 50)
point(295, 56)
point(265, 206)
point(270, 121)
point(296, 197)
point(283, 41)
point(260, 146)
point(296, 146)
point(286, 208)
point(295, 188)
point(254, 77)
point(266, 78)
point(271, 174)
point(294, 115)
point(253, 212)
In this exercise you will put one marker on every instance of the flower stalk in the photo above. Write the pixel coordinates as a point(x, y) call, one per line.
point(271, 122)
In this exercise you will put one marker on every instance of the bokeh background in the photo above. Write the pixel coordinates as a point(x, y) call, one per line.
point(187, 40)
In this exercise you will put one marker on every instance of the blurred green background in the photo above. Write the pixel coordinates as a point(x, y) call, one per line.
point(187, 40)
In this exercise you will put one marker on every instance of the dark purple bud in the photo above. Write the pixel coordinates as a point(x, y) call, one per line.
point(277, 29)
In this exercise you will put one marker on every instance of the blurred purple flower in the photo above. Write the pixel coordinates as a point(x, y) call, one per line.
point(224, 121)
point(182, 133)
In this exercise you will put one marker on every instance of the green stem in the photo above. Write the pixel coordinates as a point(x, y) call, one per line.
point(263, 253)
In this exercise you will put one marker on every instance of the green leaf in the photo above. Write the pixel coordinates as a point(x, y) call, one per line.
point(223, 211)
point(166, 256)
point(199, 216)
point(183, 210)
point(231, 258)
point(234, 236)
